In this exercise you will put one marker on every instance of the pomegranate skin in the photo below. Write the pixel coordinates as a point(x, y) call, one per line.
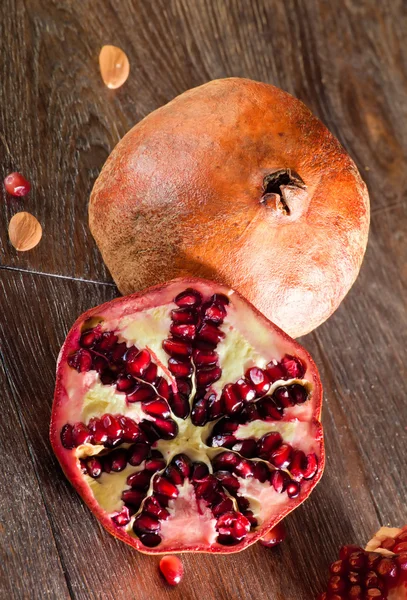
point(185, 193)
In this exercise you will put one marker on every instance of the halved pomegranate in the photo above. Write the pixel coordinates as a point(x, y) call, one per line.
point(377, 573)
point(186, 420)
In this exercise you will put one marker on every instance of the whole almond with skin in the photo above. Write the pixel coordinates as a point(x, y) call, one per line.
point(24, 231)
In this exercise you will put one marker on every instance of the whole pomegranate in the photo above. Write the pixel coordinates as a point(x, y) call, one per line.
point(377, 573)
point(185, 419)
point(235, 181)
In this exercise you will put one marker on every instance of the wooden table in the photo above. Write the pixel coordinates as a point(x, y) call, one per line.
point(347, 60)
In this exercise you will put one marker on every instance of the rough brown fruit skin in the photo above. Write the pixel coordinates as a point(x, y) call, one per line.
point(181, 194)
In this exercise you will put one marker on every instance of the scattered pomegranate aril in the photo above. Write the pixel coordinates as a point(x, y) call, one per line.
point(172, 569)
point(16, 184)
point(167, 422)
point(275, 536)
point(293, 366)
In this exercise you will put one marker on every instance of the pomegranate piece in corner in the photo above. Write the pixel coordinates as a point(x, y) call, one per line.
point(377, 573)
point(186, 420)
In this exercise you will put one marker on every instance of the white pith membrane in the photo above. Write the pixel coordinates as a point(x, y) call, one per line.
point(383, 578)
point(246, 343)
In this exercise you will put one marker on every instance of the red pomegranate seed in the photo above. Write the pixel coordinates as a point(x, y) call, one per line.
point(139, 364)
point(372, 559)
point(268, 444)
point(177, 348)
point(172, 569)
point(154, 464)
point(387, 568)
point(165, 488)
point(112, 426)
point(225, 505)
point(180, 368)
point(246, 448)
point(183, 331)
point(338, 567)
point(143, 523)
point(311, 466)
point(215, 313)
point(294, 367)
point(260, 471)
point(163, 388)
point(245, 390)
point(183, 464)
point(180, 406)
point(199, 471)
point(107, 341)
point(184, 385)
point(281, 457)
point(139, 481)
point(98, 431)
point(167, 428)
point(199, 413)
point(231, 399)
point(153, 508)
point(293, 489)
point(203, 358)
point(279, 481)
point(125, 383)
point(215, 407)
point(249, 413)
point(229, 481)
point(172, 474)
point(118, 352)
point(184, 316)
point(133, 497)
point(208, 489)
point(188, 298)
point(282, 397)
point(122, 518)
point(88, 338)
point(151, 540)
point(115, 461)
point(298, 393)
point(141, 392)
point(66, 437)
point(158, 407)
point(357, 560)
point(276, 371)
point(269, 410)
point(355, 593)
point(150, 374)
point(275, 536)
point(374, 594)
point(93, 467)
point(371, 580)
point(131, 431)
point(210, 333)
point(81, 361)
point(205, 377)
point(336, 584)
point(399, 548)
point(244, 469)
point(137, 453)
point(259, 379)
point(226, 461)
point(16, 184)
point(298, 465)
point(221, 441)
point(354, 578)
point(402, 537)
point(220, 299)
point(401, 561)
point(346, 551)
point(81, 434)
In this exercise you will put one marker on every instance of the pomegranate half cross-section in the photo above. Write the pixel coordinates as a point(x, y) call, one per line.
point(186, 420)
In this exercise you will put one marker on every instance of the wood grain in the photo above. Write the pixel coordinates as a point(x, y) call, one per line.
point(346, 59)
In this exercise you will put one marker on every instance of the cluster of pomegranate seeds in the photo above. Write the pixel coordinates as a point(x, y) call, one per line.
point(193, 361)
point(195, 335)
point(363, 575)
point(16, 185)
